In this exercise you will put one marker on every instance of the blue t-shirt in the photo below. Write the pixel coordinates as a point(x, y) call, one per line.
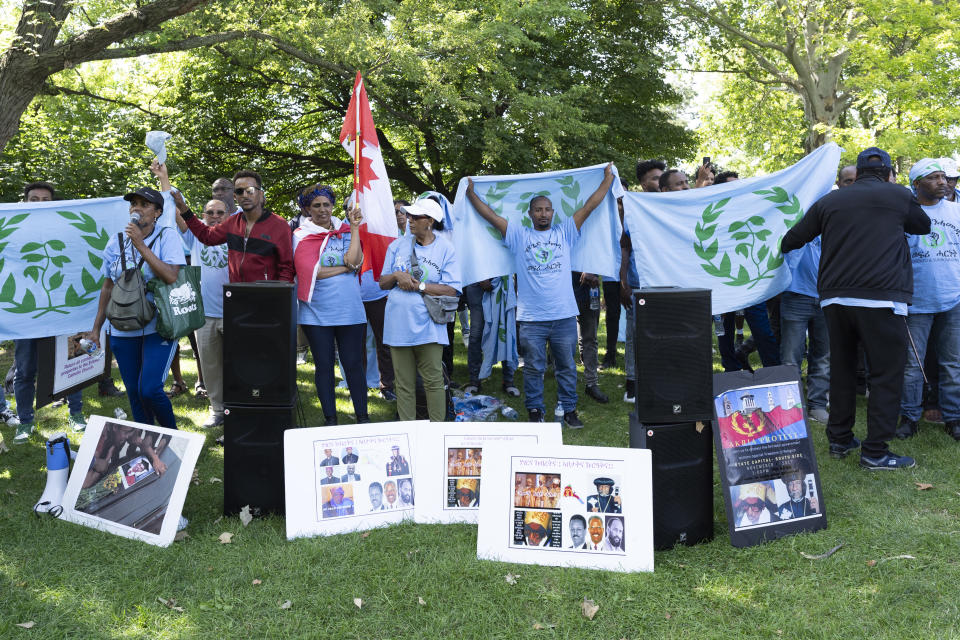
point(214, 272)
point(406, 321)
point(804, 266)
point(168, 247)
point(369, 288)
point(336, 301)
point(544, 285)
point(936, 260)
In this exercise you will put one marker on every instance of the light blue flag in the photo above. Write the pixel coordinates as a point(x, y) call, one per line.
point(499, 326)
point(480, 249)
point(50, 259)
point(726, 237)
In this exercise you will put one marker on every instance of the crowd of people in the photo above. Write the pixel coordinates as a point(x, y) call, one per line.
point(873, 305)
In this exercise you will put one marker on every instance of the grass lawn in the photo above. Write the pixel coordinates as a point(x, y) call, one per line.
point(74, 582)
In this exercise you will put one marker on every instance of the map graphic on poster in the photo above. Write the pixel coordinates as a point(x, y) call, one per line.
point(569, 506)
point(451, 491)
point(765, 455)
point(348, 478)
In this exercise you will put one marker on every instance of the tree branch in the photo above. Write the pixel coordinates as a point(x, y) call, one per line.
point(51, 89)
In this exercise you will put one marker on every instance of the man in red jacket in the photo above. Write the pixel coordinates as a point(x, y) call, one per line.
point(259, 244)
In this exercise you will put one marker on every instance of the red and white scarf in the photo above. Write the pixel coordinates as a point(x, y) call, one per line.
point(312, 240)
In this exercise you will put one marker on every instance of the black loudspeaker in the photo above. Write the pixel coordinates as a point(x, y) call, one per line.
point(673, 343)
point(682, 455)
point(253, 457)
point(259, 343)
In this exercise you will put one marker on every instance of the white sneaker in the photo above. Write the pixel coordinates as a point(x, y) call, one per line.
point(629, 398)
point(820, 415)
point(9, 417)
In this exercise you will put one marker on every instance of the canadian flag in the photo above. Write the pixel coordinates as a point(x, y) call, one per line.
point(371, 186)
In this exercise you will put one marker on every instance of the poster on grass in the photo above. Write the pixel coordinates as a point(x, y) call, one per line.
point(768, 468)
point(448, 483)
point(567, 506)
point(349, 478)
point(64, 367)
point(131, 479)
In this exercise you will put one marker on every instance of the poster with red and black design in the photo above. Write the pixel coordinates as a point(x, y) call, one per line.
point(768, 467)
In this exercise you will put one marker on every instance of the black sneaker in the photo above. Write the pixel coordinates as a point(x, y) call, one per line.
point(907, 428)
point(629, 394)
point(952, 427)
point(888, 461)
point(840, 451)
point(571, 420)
point(536, 415)
point(388, 395)
point(594, 392)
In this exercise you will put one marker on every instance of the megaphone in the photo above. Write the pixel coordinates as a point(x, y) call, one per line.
point(58, 470)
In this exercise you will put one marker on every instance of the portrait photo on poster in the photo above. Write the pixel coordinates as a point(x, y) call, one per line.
point(448, 484)
point(64, 366)
point(568, 506)
point(131, 479)
point(342, 479)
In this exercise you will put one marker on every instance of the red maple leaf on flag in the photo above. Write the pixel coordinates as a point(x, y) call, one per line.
point(366, 173)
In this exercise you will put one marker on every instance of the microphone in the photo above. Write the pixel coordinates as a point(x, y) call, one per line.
point(135, 217)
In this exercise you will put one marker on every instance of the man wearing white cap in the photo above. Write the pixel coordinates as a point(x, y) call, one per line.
point(952, 173)
point(936, 300)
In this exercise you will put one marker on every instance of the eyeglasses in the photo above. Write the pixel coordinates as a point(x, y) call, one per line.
point(249, 191)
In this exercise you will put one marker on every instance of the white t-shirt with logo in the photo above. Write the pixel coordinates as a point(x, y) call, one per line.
point(214, 272)
point(542, 258)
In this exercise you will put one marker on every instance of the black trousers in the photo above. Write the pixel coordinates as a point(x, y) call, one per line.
point(611, 298)
point(883, 335)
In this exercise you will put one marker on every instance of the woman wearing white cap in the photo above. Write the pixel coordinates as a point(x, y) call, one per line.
point(416, 341)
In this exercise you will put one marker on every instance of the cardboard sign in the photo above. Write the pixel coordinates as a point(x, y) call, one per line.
point(448, 482)
point(63, 367)
point(349, 478)
point(771, 485)
point(568, 506)
point(131, 479)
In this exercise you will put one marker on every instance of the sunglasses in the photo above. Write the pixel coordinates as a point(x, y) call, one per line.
point(413, 217)
point(246, 191)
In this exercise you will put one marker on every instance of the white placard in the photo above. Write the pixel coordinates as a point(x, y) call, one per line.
point(72, 365)
point(131, 479)
point(349, 478)
point(447, 481)
point(588, 507)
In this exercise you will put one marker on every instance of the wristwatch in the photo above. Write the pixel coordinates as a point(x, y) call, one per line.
point(422, 286)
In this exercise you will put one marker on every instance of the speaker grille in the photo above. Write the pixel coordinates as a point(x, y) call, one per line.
point(674, 354)
point(253, 457)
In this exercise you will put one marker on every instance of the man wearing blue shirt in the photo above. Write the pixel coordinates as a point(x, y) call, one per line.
point(546, 307)
point(865, 283)
point(934, 317)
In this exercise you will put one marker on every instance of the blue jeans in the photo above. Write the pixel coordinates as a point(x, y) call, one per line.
point(943, 331)
point(759, 323)
point(144, 362)
point(24, 381)
point(800, 314)
point(533, 338)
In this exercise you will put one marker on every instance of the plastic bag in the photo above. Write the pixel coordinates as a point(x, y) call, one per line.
point(471, 408)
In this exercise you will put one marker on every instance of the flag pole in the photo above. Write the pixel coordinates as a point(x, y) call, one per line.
point(356, 153)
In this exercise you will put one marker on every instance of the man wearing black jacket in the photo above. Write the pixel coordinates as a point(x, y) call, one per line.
point(865, 285)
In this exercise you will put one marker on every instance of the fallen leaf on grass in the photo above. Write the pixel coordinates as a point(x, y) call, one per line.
point(421, 601)
point(170, 604)
point(225, 538)
point(871, 563)
point(26, 625)
point(3, 449)
point(218, 520)
point(245, 516)
point(923, 486)
point(214, 479)
point(821, 556)
point(22, 583)
point(11, 492)
point(900, 557)
point(589, 608)
point(365, 534)
point(358, 602)
point(286, 604)
point(540, 626)
point(195, 478)
point(257, 581)
point(510, 578)
point(667, 616)
point(181, 535)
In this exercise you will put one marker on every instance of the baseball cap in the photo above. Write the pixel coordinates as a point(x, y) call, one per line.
point(950, 167)
point(425, 207)
point(864, 158)
point(150, 195)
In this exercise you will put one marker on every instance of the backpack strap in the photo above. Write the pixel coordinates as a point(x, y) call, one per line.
point(123, 251)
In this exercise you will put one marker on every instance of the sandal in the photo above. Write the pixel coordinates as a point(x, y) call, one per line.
point(200, 391)
point(176, 389)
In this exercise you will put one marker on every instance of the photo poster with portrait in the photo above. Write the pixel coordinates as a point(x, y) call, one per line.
point(131, 479)
point(567, 506)
point(349, 478)
point(448, 482)
point(63, 367)
point(771, 484)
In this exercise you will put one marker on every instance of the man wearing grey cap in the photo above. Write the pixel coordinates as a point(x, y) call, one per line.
point(865, 282)
point(952, 173)
point(934, 317)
